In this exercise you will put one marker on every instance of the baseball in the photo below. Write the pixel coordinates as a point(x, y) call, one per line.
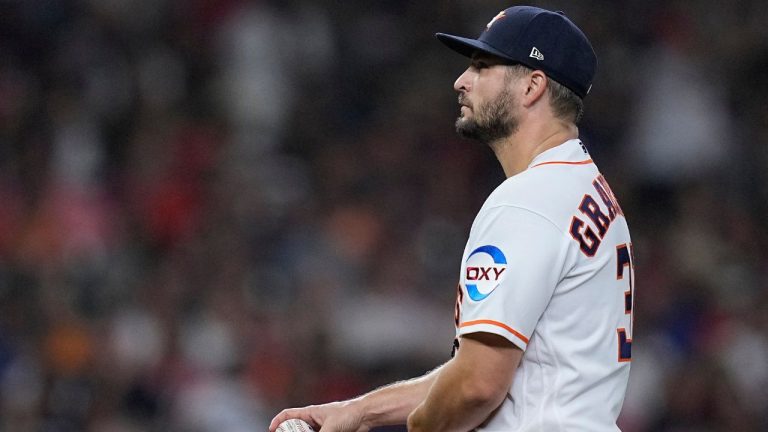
point(294, 425)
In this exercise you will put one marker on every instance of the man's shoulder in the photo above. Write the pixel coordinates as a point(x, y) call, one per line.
point(551, 191)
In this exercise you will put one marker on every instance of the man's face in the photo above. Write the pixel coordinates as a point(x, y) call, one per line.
point(488, 109)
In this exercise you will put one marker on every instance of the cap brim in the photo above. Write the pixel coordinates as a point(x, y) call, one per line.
point(467, 47)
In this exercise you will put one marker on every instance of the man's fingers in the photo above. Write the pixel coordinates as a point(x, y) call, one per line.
point(290, 413)
point(277, 420)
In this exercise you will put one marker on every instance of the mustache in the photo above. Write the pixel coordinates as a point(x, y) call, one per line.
point(463, 100)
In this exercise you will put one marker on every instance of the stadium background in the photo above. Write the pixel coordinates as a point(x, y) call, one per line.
point(212, 210)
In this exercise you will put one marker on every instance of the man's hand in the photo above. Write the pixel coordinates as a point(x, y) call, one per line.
point(388, 405)
point(332, 417)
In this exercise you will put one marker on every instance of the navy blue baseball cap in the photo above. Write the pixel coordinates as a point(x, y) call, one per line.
point(539, 39)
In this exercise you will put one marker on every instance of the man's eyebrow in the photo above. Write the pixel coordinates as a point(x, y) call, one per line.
point(486, 58)
point(480, 56)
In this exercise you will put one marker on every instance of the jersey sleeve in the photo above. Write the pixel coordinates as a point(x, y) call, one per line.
point(511, 266)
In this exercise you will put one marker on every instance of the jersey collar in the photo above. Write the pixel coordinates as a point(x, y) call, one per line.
point(571, 152)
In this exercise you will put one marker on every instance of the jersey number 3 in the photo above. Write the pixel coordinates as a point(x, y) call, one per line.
point(624, 262)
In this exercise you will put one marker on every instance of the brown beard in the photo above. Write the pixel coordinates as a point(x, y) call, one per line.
point(492, 121)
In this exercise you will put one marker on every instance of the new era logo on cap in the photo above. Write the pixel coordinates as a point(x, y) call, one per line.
point(535, 53)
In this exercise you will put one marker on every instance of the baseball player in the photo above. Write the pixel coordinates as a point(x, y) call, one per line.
point(545, 299)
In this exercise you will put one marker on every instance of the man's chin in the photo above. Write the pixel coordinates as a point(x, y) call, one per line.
point(466, 128)
point(485, 135)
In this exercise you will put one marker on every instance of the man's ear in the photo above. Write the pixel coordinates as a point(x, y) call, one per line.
point(536, 84)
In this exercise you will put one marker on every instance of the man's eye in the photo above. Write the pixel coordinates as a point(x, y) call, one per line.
point(481, 65)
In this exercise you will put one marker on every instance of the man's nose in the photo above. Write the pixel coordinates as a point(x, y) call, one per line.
point(463, 82)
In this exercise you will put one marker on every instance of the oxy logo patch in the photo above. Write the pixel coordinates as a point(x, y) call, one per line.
point(484, 270)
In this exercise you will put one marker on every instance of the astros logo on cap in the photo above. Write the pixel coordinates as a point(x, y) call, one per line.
point(500, 15)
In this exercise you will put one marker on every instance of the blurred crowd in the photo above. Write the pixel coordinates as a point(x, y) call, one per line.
point(215, 209)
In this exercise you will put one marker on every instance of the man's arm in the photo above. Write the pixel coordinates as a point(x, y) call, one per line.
point(385, 406)
point(469, 387)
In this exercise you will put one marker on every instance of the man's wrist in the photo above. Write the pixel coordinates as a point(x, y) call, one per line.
point(372, 411)
point(362, 409)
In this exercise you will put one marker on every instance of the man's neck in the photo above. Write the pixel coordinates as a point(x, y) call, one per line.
point(516, 152)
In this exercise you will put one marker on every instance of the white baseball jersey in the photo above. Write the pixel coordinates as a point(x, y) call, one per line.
point(548, 265)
